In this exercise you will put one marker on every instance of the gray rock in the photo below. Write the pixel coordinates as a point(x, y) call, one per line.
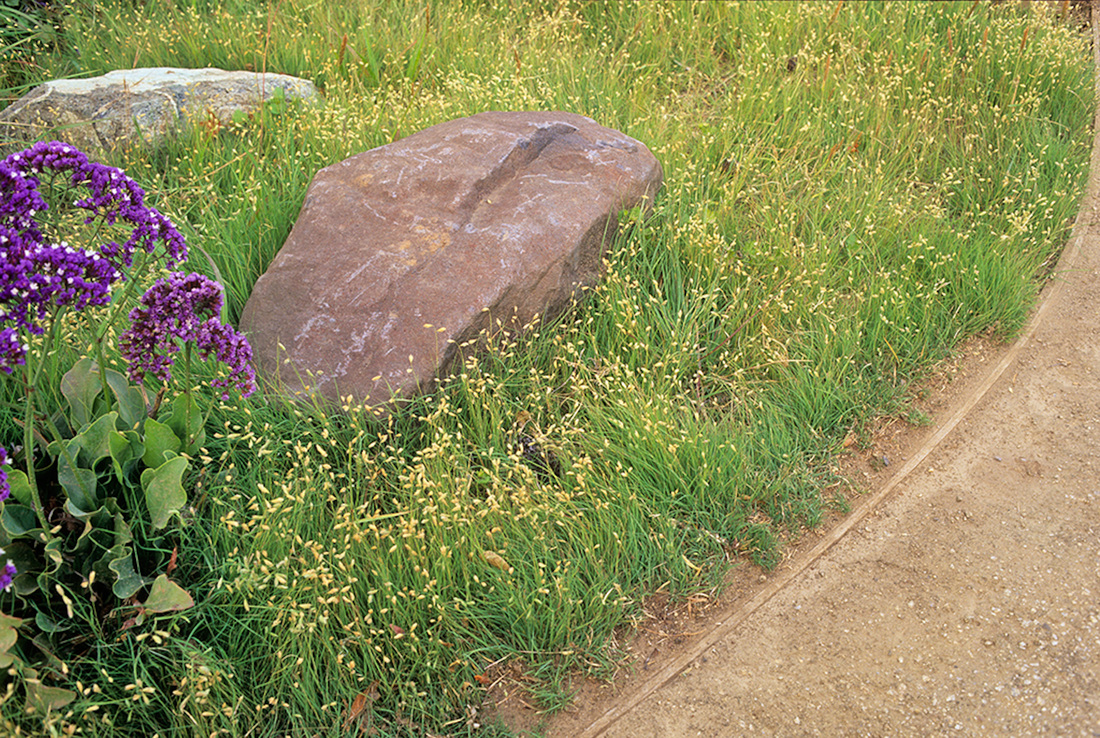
point(406, 252)
point(129, 105)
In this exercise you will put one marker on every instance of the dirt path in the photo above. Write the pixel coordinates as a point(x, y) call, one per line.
point(961, 598)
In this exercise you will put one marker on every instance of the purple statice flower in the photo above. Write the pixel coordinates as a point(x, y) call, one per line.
point(58, 274)
point(38, 274)
point(5, 488)
point(7, 574)
point(13, 351)
point(232, 349)
point(112, 197)
point(181, 308)
point(20, 201)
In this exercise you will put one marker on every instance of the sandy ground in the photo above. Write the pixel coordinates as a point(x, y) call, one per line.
point(960, 597)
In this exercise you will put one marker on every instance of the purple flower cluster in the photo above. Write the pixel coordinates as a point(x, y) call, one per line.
point(38, 274)
point(181, 308)
point(7, 574)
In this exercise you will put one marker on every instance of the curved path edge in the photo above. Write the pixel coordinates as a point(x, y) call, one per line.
point(725, 623)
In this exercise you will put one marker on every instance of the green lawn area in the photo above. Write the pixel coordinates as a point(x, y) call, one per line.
point(851, 190)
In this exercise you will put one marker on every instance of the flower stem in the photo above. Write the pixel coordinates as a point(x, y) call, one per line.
point(119, 303)
point(188, 440)
point(101, 361)
point(28, 449)
point(32, 377)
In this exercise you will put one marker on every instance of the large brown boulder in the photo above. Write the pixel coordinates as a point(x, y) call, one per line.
point(99, 114)
point(403, 253)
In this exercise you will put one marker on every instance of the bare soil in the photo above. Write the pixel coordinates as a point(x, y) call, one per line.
point(960, 596)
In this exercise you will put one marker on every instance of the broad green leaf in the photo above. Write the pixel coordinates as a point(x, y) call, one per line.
point(80, 385)
point(25, 584)
point(159, 439)
point(76, 512)
point(97, 536)
point(28, 562)
point(127, 581)
point(48, 624)
point(132, 406)
point(8, 636)
point(122, 528)
point(186, 420)
point(167, 596)
point(42, 699)
point(117, 564)
point(164, 494)
point(18, 520)
point(94, 440)
point(20, 486)
point(126, 448)
point(79, 483)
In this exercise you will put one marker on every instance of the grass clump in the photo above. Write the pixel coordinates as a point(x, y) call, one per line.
point(851, 190)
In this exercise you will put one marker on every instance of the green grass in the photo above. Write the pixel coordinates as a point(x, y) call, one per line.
point(851, 190)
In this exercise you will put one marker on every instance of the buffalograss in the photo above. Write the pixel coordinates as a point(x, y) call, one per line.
point(851, 190)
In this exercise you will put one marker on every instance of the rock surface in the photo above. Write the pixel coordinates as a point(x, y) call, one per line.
point(403, 253)
point(129, 105)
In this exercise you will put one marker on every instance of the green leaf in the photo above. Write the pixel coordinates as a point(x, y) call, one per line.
point(167, 596)
point(118, 563)
point(94, 440)
point(28, 562)
point(43, 699)
point(164, 494)
point(47, 624)
point(80, 385)
point(186, 420)
point(25, 584)
point(20, 486)
point(94, 539)
point(160, 439)
point(127, 580)
point(19, 520)
point(122, 527)
point(126, 449)
point(8, 636)
point(132, 405)
point(53, 553)
point(79, 483)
